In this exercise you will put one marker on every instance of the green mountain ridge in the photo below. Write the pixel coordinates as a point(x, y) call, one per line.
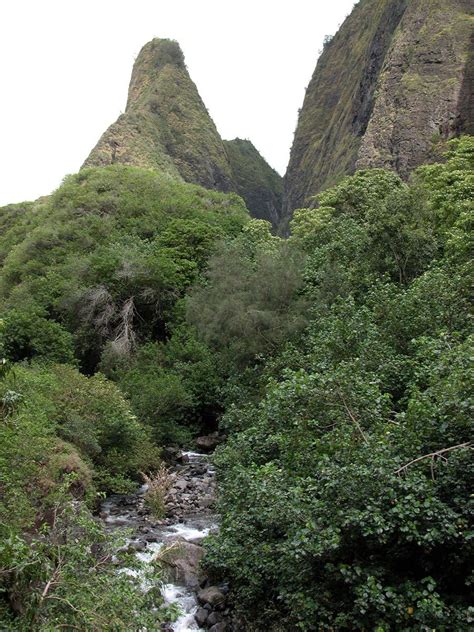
point(260, 186)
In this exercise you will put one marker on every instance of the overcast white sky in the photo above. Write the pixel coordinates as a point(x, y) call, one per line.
point(66, 64)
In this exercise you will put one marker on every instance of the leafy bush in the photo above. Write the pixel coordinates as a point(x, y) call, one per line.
point(65, 577)
point(90, 413)
point(28, 334)
point(172, 387)
point(342, 358)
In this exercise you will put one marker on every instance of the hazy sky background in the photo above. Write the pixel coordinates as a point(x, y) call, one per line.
point(66, 64)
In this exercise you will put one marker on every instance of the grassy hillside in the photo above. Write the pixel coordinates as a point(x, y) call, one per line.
point(108, 233)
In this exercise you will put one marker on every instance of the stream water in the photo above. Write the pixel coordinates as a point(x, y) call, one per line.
point(148, 535)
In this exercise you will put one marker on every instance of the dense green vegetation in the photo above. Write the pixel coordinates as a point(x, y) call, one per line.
point(138, 311)
point(92, 284)
point(345, 478)
point(63, 437)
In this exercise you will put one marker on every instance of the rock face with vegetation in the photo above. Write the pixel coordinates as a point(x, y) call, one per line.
point(166, 126)
point(255, 181)
point(389, 89)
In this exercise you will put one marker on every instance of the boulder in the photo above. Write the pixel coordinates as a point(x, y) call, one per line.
point(137, 545)
point(219, 627)
point(170, 454)
point(181, 562)
point(206, 501)
point(207, 442)
point(211, 595)
point(151, 537)
point(201, 616)
point(180, 485)
point(213, 619)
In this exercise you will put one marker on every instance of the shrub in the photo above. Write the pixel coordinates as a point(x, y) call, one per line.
point(28, 334)
point(158, 484)
point(89, 413)
point(65, 578)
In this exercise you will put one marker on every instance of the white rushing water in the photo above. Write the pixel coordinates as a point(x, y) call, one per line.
point(188, 532)
point(186, 600)
point(195, 457)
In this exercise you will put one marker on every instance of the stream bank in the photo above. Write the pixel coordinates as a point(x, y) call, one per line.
point(177, 539)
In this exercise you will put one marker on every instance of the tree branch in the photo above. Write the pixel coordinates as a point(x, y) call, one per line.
point(437, 454)
point(352, 416)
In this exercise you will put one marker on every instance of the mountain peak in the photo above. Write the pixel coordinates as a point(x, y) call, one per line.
point(151, 60)
point(166, 126)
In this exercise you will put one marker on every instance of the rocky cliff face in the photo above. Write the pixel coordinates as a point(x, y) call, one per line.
point(165, 125)
point(388, 89)
point(255, 181)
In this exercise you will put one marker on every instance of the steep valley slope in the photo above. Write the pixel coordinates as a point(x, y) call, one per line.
point(389, 89)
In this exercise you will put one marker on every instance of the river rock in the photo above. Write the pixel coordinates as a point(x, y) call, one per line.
point(219, 627)
point(206, 501)
point(138, 545)
point(208, 442)
point(211, 595)
point(181, 563)
point(170, 453)
point(191, 493)
point(201, 616)
point(180, 485)
point(214, 618)
point(151, 537)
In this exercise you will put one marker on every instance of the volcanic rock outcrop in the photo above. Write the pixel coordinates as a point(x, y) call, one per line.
point(389, 89)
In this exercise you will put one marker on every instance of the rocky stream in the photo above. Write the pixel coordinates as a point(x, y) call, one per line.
point(177, 540)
